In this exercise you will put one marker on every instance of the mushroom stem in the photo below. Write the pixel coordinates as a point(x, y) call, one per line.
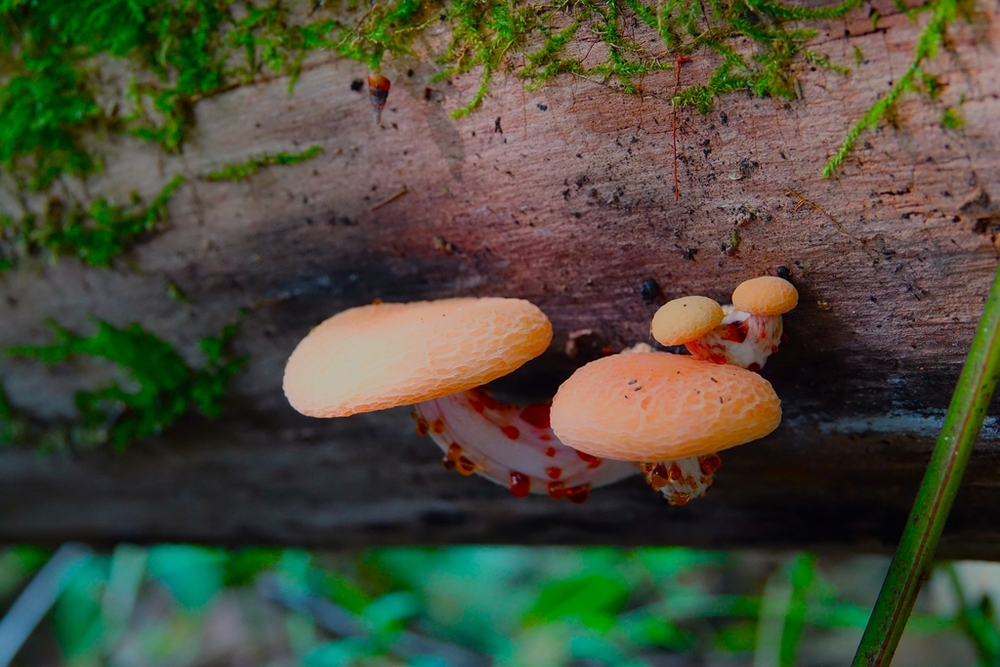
point(741, 339)
point(512, 446)
point(681, 480)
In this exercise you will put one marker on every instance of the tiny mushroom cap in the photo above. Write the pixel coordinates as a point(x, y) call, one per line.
point(767, 295)
point(656, 406)
point(686, 319)
point(389, 354)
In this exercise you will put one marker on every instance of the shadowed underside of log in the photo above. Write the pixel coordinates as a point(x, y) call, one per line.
point(564, 196)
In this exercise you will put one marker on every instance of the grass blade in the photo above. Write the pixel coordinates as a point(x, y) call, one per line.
point(915, 554)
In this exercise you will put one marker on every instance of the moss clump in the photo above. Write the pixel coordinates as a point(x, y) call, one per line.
point(176, 52)
point(951, 119)
point(237, 172)
point(492, 34)
point(94, 233)
point(167, 387)
point(769, 72)
point(387, 27)
point(485, 33)
point(943, 13)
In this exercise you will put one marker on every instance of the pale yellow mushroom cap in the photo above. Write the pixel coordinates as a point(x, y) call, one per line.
point(686, 319)
point(767, 295)
point(389, 354)
point(656, 406)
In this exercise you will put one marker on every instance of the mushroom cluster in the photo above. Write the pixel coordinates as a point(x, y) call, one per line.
point(436, 355)
point(664, 415)
point(671, 413)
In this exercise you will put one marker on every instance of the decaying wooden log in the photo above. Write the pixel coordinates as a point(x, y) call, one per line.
point(564, 196)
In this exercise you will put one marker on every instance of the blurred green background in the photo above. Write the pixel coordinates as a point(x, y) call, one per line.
point(176, 605)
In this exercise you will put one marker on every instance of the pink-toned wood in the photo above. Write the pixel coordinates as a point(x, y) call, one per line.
point(571, 206)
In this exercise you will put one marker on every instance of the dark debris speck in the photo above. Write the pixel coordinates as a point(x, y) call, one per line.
point(649, 291)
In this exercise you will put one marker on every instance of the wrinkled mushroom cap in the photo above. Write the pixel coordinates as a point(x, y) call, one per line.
point(686, 319)
point(389, 354)
point(767, 295)
point(657, 407)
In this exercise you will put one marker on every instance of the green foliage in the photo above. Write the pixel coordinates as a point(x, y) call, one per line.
point(511, 605)
point(594, 600)
point(157, 389)
point(17, 563)
point(237, 172)
point(76, 618)
point(193, 575)
point(801, 576)
point(244, 565)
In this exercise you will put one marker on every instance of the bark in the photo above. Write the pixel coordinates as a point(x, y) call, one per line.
point(564, 196)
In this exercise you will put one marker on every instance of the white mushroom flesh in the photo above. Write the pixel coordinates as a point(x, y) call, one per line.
point(682, 479)
point(742, 339)
point(513, 447)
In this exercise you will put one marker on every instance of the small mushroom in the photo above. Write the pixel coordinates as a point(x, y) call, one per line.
point(436, 354)
point(766, 295)
point(669, 412)
point(685, 319)
point(751, 329)
point(389, 354)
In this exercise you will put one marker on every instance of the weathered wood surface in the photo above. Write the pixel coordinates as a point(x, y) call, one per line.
point(572, 207)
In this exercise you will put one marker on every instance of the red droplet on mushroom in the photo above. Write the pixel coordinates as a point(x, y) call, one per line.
point(536, 414)
point(520, 484)
point(578, 494)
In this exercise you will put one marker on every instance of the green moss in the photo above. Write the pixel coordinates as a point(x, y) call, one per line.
point(951, 119)
point(160, 387)
point(484, 34)
point(493, 34)
point(943, 12)
point(237, 172)
point(95, 233)
point(178, 52)
point(385, 27)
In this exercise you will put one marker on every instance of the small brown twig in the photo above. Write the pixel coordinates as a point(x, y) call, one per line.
point(391, 198)
point(803, 202)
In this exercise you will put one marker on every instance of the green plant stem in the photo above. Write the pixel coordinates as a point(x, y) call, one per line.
point(914, 557)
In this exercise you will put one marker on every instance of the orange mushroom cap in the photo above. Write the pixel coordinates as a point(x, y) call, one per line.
point(686, 319)
point(767, 295)
point(389, 354)
point(658, 407)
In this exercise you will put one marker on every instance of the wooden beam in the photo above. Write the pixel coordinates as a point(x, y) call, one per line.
point(572, 206)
